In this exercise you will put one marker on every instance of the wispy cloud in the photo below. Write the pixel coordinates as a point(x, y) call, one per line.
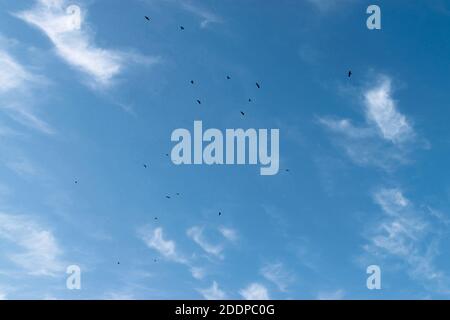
point(255, 291)
point(406, 233)
point(41, 254)
point(385, 139)
point(381, 109)
point(331, 295)
point(13, 75)
point(196, 234)
point(16, 87)
point(23, 167)
point(154, 239)
point(277, 274)
point(75, 44)
point(229, 233)
point(213, 292)
point(204, 14)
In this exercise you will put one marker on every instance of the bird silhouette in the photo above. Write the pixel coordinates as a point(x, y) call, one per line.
point(228, 77)
point(199, 102)
point(249, 100)
point(145, 166)
point(350, 73)
point(192, 81)
point(76, 181)
point(147, 18)
point(257, 84)
point(243, 113)
point(168, 197)
point(220, 213)
point(181, 27)
point(177, 193)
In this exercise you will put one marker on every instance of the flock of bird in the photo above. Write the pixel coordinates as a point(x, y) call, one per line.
point(145, 165)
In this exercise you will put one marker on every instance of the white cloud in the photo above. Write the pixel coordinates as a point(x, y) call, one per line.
point(13, 75)
point(23, 167)
point(255, 291)
point(16, 85)
point(213, 292)
point(391, 201)
point(74, 43)
point(229, 234)
point(197, 273)
point(40, 252)
point(334, 295)
point(206, 15)
point(404, 233)
point(385, 138)
point(381, 109)
point(155, 240)
point(277, 274)
point(345, 126)
point(196, 234)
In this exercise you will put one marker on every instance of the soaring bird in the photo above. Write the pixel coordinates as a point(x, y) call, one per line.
point(192, 81)
point(228, 77)
point(181, 27)
point(145, 166)
point(243, 113)
point(220, 213)
point(350, 73)
point(249, 100)
point(257, 84)
point(199, 102)
point(147, 18)
point(168, 197)
point(76, 181)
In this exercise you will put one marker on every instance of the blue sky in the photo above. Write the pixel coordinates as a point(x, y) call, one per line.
point(368, 182)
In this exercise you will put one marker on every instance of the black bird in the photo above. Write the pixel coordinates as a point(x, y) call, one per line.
point(249, 100)
point(199, 102)
point(154, 260)
point(243, 113)
point(145, 166)
point(147, 18)
point(168, 197)
point(350, 73)
point(177, 193)
point(228, 77)
point(287, 170)
point(118, 262)
point(220, 213)
point(76, 181)
point(257, 84)
point(156, 218)
point(181, 27)
point(192, 81)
